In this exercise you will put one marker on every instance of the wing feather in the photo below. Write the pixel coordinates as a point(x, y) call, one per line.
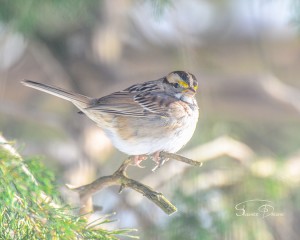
point(141, 100)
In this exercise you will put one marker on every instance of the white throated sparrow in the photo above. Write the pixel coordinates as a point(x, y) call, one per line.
point(144, 119)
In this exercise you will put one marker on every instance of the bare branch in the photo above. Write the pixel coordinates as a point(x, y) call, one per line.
point(120, 178)
point(180, 158)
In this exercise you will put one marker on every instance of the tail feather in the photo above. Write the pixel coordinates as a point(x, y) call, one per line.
point(77, 99)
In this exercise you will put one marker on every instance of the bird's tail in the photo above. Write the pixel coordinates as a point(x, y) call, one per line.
point(79, 100)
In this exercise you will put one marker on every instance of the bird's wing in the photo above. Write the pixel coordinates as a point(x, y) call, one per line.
point(135, 103)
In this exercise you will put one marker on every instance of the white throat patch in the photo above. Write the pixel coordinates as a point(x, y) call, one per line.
point(184, 98)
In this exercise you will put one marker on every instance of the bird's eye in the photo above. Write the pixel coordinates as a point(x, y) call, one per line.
point(176, 85)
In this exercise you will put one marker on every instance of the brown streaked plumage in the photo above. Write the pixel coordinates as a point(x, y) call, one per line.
point(144, 119)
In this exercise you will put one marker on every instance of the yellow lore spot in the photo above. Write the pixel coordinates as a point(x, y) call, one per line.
point(183, 84)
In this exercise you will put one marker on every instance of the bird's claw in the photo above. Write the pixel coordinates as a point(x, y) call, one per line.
point(138, 159)
point(158, 160)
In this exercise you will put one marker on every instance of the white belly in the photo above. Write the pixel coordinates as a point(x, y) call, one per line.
point(171, 143)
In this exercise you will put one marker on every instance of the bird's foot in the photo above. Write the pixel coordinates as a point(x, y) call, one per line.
point(137, 159)
point(159, 161)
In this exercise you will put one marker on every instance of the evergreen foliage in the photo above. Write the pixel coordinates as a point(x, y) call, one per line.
point(30, 205)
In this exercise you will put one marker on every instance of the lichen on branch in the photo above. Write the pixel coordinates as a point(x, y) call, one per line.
point(120, 178)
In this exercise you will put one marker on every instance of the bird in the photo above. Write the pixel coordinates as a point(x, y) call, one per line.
point(143, 119)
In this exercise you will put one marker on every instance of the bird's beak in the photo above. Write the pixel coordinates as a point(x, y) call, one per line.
point(190, 91)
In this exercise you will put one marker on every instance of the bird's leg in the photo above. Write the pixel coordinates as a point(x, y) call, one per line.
point(137, 159)
point(158, 160)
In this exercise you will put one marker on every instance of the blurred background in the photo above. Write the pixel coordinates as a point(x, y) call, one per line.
point(246, 56)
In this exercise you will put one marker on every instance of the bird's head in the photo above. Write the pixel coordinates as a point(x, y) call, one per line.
point(181, 84)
